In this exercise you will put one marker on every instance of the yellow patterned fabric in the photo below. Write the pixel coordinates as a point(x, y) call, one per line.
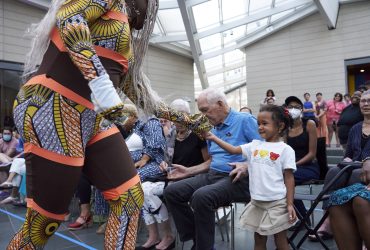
point(34, 233)
point(82, 24)
point(123, 219)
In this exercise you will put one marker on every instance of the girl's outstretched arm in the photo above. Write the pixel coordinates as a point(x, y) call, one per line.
point(289, 183)
point(228, 147)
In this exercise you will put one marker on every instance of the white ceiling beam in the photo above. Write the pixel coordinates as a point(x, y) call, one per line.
point(329, 11)
point(172, 4)
point(189, 23)
point(226, 68)
point(251, 18)
point(276, 26)
point(174, 49)
point(231, 25)
point(168, 39)
point(42, 4)
point(263, 32)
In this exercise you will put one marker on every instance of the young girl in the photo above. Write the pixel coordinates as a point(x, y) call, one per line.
point(271, 182)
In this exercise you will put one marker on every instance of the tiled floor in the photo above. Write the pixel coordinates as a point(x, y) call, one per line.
point(87, 238)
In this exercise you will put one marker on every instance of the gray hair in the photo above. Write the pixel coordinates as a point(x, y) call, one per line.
point(213, 95)
point(180, 105)
point(367, 92)
point(39, 34)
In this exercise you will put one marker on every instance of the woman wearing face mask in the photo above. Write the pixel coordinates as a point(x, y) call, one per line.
point(7, 145)
point(302, 137)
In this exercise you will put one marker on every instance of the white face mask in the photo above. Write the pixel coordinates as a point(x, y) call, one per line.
point(295, 113)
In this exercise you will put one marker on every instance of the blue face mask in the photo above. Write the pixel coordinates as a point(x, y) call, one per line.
point(7, 138)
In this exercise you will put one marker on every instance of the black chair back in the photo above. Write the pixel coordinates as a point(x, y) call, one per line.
point(321, 157)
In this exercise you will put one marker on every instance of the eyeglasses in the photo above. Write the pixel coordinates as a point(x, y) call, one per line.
point(365, 101)
point(294, 107)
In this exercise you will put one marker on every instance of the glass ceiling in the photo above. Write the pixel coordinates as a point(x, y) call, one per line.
point(212, 32)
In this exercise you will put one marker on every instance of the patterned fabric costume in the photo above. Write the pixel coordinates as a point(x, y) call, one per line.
point(63, 134)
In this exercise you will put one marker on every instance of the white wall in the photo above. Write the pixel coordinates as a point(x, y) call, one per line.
point(307, 57)
point(172, 75)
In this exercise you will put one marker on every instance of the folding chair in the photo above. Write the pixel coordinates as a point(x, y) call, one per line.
point(346, 167)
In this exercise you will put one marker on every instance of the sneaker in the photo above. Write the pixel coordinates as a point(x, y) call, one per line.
point(81, 223)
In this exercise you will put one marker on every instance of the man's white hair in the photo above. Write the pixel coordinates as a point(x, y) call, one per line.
point(40, 36)
point(213, 95)
point(180, 105)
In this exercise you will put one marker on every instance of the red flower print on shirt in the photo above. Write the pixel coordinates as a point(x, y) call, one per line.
point(274, 156)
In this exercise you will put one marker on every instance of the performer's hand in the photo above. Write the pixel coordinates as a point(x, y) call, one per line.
point(178, 172)
point(106, 100)
point(239, 171)
point(292, 214)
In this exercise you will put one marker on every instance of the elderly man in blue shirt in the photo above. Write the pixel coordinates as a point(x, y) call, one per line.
point(216, 182)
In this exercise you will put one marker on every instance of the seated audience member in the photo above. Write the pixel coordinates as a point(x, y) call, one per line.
point(146, 143)
point(245, 110)
point(349, 117)
point(214, 183)
point(189, 150)
point(7, 146)
point(358, 149)
point(308, 108)
point(349, 213)
point(333, 110)
point(17, 169)
point(302, 138)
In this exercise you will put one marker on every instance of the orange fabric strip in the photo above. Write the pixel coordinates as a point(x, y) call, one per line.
point(102, 135)
point(59, 88)
point(119, 16)
point(103, 52)
point(116, 192)
point(66, 160)
point(32, 204)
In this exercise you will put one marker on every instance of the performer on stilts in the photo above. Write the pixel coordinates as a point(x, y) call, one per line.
point(82, 51)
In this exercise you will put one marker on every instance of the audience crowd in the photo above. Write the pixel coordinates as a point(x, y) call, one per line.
point(188, 177)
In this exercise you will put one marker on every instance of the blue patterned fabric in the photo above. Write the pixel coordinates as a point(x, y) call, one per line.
point(154, 144)
point(346, 194)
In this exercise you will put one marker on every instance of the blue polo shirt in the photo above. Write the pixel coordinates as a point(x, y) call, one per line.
point(237, 129)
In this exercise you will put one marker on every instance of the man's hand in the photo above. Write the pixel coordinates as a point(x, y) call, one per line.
point(239, 171)
point(178, 172)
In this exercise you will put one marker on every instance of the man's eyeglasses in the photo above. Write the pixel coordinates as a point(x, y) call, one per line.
point(365, 101)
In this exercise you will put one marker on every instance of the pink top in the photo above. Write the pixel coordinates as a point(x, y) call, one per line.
point(333, 110)
point(8, 148)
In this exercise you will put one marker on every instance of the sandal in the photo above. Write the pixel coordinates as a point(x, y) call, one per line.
point(6, 185)
point(322, 234)
point(80, 223)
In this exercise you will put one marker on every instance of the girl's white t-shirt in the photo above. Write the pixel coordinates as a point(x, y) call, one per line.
point(266, 164)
